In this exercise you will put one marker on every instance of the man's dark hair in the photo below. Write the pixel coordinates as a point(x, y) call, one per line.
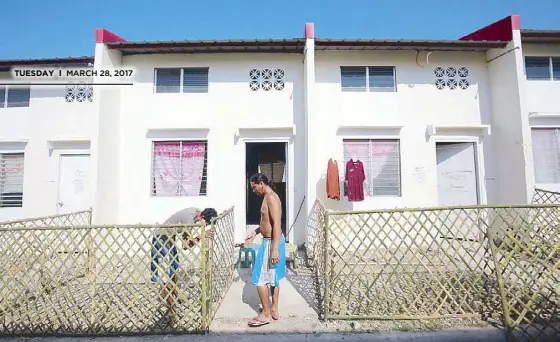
point(260, 178)
point(208, 214)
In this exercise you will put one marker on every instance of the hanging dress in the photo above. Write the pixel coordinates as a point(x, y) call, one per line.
point(355, 176)
point(333, 186)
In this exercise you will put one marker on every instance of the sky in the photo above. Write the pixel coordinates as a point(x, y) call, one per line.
point(62, 28)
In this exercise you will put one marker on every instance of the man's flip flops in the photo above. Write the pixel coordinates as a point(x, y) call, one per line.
point(255, 323)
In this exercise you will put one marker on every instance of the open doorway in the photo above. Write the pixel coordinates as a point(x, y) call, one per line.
point(268, 158)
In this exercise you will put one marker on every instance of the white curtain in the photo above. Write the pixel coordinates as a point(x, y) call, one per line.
point(380, 153)
point(192, 167)
point(546, 155)
point(374, 155)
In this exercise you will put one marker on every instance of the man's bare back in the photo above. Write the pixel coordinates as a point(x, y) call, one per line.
point(270, 200)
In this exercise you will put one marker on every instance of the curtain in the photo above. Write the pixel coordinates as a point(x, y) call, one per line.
point(167, 173)
point(11, 180)
point(545, 155)
point(380, 153)
point(193, 154)
point(374, 155)
point(178, 168)
point(275, 172)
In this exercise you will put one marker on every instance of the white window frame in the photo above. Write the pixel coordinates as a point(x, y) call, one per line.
point(5, 99)
point(152, 173)
point(367, 193)
point(22, 153)
point(181, 79)
point(368, 89)
point(551, 76)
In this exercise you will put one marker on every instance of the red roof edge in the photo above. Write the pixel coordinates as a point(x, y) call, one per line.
point(501, 30)
point(105, 36)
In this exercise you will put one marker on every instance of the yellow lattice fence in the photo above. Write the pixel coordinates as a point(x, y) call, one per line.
point(315, 246)
point(541, 196)
point(78, 251)
point(444, 263)
point(221, 260)
point(126, 286)
point(77, 218)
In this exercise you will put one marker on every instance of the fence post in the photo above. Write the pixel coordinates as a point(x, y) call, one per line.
point(210, 298)
point(92, 278)
point(326, 256)
point(203, 245)
point(501, 285)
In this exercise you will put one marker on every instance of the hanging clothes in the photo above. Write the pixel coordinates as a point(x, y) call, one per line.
point(333, 183)
point(355, 177)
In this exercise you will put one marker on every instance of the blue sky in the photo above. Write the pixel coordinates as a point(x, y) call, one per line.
point(55, 28)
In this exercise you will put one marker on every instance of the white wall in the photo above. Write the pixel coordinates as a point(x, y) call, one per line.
point(51, 126)
point(216, 115)
point(513, 156)
point(542, 96)
point(416, 104)
point(106, 153)
point(542, 100)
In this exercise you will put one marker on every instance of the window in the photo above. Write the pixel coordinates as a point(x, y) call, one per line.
point(11, 180)
point(542, 68)
point(546, 154)
point(372, 79)
point(382, 165)
point(181, 80)
point(179, 168)
point(14, 96)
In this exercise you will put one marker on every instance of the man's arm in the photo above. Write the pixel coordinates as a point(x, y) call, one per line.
point(275, 211)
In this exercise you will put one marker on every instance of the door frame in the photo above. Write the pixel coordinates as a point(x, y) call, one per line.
point(289, 179)
point(58, 171)
point(478, 163)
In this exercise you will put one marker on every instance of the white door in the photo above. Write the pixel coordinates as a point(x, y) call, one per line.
point(74, 192)
point(458, 186)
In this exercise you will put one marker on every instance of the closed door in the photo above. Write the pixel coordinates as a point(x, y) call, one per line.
point(458, 186)
point(74, 192)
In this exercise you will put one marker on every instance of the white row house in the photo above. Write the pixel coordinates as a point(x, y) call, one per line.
point(467, 121)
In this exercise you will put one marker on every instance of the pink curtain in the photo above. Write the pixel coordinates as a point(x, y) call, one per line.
point(167, 168)
point(178, 168)
point(192, 167)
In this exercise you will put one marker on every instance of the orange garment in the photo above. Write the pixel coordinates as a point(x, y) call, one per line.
point(333, 183)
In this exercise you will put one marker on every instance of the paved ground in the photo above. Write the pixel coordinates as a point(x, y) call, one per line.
point(465, 335)
point(300, 314)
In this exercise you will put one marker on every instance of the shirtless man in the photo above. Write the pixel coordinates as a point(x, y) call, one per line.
point(270, 264)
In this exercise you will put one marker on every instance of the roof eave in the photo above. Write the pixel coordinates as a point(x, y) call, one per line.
point(47, 61)
point(407, 45)
point(540, 36)
point(191, 47)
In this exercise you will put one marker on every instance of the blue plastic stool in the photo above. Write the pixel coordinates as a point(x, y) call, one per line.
point(247, 250)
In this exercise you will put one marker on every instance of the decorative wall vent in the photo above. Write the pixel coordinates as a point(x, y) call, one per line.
point(451, 78)
point(79, 93)
point(266, 79)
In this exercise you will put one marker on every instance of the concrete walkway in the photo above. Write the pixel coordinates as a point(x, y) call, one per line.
point(298, 303)
point(464, 335)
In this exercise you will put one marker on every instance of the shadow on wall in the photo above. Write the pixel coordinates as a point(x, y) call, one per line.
point(342, 205)
point(315, 219)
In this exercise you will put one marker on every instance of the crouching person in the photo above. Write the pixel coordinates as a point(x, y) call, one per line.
point(164, 246)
